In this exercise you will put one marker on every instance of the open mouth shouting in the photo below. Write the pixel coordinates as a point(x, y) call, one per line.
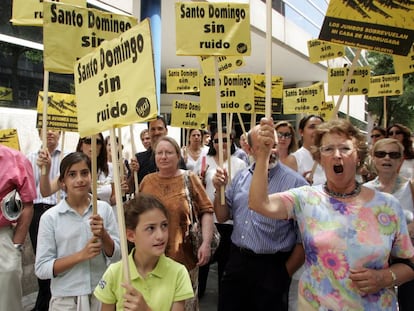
point(338, 168)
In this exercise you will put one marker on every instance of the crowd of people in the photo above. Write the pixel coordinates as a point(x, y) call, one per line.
point(322, 223)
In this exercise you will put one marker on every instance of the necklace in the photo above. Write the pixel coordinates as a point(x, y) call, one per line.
point(351, 194)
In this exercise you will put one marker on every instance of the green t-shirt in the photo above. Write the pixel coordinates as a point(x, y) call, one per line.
point(167, 283)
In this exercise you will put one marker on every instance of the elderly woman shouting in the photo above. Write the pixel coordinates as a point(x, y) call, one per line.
point(349, 231)
point(169, 186)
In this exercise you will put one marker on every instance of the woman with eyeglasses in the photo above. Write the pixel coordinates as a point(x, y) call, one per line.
point(367, 171)
point(349, 231)
point(286, 140)
point(169, 185)
point(387, 158)
point(403, 135)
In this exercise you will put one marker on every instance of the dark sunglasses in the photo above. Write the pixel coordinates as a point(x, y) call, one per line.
point(284, 135)
point(216, 140)
point(394, 133)
point(88, 141)
point(376, 135)
point(383, 154)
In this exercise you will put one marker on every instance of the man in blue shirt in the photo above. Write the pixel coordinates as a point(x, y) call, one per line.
point(264, 252)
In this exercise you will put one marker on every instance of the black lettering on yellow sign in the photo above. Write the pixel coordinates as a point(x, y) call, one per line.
point(112, 84)
point(341, 72)
point(227, 93)
point(112, 112)
point(193, 106)
point(179, 105)
point(190, 123)
point(190, 115)
point(213, 28)
point(125, 51)
point(72, 18)
point(289, 93)
point(230, 105)
point(218, 13)
point(91, 41)
point(302, 108)
point(38, 14)
point(214, 44)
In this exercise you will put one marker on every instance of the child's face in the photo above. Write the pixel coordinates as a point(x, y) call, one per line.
point(151, 234)
point(77, 179)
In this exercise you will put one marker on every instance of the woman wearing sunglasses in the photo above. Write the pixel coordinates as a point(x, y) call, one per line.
point(387, 156)
point(403, 135)
point(287, 140)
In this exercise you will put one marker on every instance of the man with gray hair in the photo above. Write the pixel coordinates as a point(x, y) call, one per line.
point(264, 252)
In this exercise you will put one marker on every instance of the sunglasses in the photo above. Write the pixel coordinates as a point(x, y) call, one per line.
point(383, 154)
point(216, 140)
point(88, 141)
point(392, 133)
point(376, 135)
point(284, 135)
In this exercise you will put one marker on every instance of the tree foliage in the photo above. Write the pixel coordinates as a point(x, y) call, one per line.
point(399, 109)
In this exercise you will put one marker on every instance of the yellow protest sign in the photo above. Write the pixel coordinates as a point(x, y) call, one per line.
point(182, 80)
point(110, 89)
point(386, 85)
point(303, 99)
point(226, 64)
point(187, 114)
point(322, 50)
point(70, 32)
point(215, 28)
point(260, 94)
point(358, 85)
point(382, 26)
point(6, 94)
point(325, 110)
point(9, 138)
point(236, 93)
point(404, 64)
point(30, 12)
point(61, 112)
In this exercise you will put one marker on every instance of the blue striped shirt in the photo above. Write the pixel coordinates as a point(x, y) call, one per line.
point(258, 233)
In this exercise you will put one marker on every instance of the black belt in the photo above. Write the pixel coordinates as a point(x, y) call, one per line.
point(42, 206)
point(249, 252)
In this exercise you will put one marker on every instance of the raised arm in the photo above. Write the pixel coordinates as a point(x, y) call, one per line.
point(270, 206)
point(221, 210)
point(47, 187)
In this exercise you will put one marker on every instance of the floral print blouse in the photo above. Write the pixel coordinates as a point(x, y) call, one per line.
point(340, 236)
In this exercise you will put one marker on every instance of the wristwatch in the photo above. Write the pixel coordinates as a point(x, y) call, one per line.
point(19, 247)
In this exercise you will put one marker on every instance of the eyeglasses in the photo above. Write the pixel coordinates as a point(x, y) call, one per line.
point(383, 154)
point(392, 133)
point(88, 141)
point(224, 140)
point(330, 150)
point(376, 135)
point(284, 135)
